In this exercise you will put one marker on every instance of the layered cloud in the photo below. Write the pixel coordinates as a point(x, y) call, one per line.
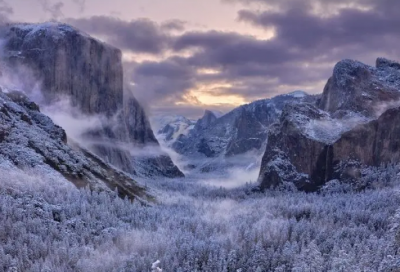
point(307, 39)
point(139, 36)
point(173, 66)
point(53, 8)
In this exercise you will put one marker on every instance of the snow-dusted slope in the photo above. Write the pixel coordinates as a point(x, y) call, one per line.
point(29, 139)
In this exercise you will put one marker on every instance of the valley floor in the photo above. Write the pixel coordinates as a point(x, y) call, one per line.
point(196, 227)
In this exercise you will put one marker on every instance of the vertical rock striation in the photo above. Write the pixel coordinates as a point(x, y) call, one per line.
point(72, 64)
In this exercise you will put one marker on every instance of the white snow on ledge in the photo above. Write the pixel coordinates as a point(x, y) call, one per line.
point(298, 94)
point(329, 130)
point(58, 30)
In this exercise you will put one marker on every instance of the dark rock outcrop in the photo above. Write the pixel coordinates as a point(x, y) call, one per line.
point(72, 64)
point(357, 87)
point(355, 124)
point(299, 147)
point(29, 139)
point(374, 143)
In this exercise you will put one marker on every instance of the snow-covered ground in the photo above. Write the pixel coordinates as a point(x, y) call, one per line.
point(197, 227)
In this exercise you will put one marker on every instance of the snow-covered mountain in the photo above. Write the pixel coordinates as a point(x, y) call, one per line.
point(171, 127)
point(71, 65)
point(242, 130)
point(306, 138)
point(355, 124)
point(237, 139)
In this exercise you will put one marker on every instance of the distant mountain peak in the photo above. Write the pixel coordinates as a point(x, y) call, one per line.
point(208, 118)
point(172, 127)
point(238, 132)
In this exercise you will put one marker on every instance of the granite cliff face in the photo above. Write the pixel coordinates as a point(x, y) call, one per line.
point(353, 125)
point(29, 139)
point(356, 87)
point(72, 64)
point(69, 62)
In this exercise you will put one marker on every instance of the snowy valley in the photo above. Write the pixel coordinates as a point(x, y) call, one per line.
point(200, 228)
point(295, 182)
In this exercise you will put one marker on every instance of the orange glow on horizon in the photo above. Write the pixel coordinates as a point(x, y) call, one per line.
point(212, 94)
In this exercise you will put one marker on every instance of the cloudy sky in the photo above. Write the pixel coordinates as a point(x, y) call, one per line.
point(182, 56)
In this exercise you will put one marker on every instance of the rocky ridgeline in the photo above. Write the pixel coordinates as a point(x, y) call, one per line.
point(29, 139)
point(243, 129)
point(353, 125)
point(237, 139)
point(69, 63)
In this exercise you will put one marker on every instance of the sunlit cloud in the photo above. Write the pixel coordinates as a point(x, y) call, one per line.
point(212, 94)
point(206, 71)
point(228, 52)
point(320, 9)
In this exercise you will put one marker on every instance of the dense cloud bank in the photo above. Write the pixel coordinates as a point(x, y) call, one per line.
point(305, 39)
